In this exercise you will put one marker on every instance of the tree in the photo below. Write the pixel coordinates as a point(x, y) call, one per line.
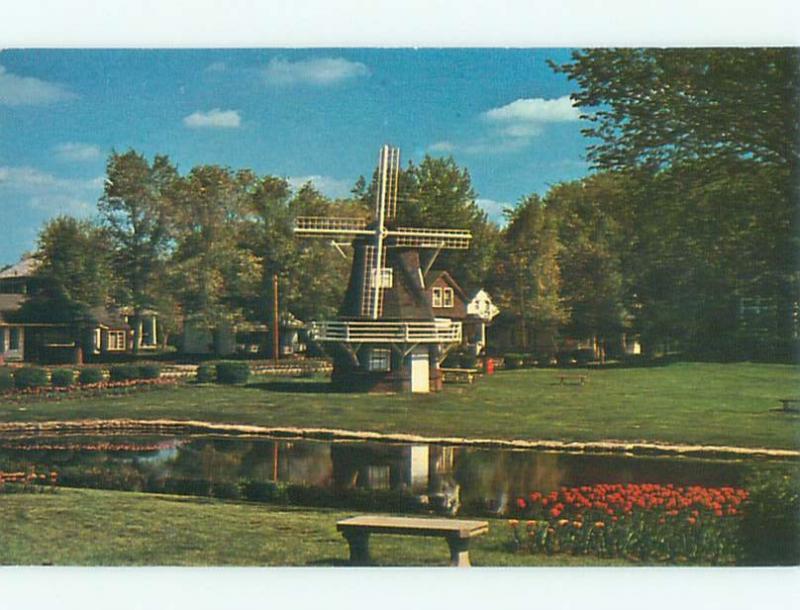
point(438, 193)
point(709, 138)
point(75, 260)
point(207, 208)
point(656, 107)
point(134, 211)
point(590, 256)
point(527, 278)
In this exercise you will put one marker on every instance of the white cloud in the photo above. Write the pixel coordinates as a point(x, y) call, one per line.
point(444, 147)
point(49, 193)
point(494, 209)
point(534, 110)
point(213, 119)
point(27, 90)
point(322, 71)
point(76, 151)
point(327, 185)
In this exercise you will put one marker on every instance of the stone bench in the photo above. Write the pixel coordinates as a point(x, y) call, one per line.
point(457, 532)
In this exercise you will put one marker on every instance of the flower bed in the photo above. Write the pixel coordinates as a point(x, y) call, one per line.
point(88, 389)
point(27, 482)
point(648, 522)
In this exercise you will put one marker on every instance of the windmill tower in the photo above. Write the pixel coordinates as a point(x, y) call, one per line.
point(386, 337)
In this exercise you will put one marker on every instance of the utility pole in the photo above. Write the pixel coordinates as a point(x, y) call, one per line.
point(275, 342)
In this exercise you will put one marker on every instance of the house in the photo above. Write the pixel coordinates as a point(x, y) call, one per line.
point(480, 313)
point(12, 333)
point(39, 325)
point(448, 300)
point(201, 337)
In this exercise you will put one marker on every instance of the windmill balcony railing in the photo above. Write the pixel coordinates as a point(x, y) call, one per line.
point(441, 330)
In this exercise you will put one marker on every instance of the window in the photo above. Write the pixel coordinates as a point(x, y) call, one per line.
point(13, 342)
point(379, 360)
point(447, 297)
point(437, 297)
point(385, 278)
point(116, 340)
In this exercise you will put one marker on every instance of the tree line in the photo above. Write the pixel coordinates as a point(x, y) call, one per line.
point(684, 234)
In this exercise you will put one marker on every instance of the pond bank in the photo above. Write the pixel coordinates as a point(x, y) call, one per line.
point(173, 426)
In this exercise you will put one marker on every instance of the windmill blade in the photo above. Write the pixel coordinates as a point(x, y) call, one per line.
point(388, 183)
point(413, 237)
point(393, 177)
point(321, 226)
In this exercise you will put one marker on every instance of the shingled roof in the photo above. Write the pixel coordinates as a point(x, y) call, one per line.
point(24, 268)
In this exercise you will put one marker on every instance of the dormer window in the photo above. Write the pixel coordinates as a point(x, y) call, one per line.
point(447, 297)
point(437, 297)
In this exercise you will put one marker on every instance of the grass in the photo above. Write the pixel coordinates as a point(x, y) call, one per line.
point(694, 403)
point(110, 528)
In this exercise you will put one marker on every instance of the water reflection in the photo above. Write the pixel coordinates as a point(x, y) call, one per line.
point(379, 476)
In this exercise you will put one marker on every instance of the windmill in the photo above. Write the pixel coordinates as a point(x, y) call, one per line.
point(386, 267)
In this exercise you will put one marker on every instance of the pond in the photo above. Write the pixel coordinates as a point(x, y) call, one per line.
point(389, 477)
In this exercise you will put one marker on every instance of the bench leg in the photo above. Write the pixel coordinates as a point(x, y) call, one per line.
point(359, 547)
point(459, 552)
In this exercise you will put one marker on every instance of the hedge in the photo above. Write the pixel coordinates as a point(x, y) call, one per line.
point(233, 372)
point(124, 372)
point(6, 379)
point(205, 373)
point(90, 375)
point(30, 377)
point(62, 378)
point(149, 371)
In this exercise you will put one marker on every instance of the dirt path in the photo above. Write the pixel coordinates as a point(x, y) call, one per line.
point(203, 427)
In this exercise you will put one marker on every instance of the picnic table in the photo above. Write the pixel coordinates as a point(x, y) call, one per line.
point(790, 404)
point(457, 532)
point(455, 375)
point(576, 377)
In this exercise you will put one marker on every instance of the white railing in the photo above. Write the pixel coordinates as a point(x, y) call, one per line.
point(441, 330)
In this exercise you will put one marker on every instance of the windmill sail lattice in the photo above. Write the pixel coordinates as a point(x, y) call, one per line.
point(381, 234)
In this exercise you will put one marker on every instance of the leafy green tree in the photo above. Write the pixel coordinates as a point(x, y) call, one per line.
point(134, 211)
point(710, 136)
point(75, 260)
point(527, 278)
point(207, 206)
point(589, 257)
point(656, 107)
point(439, 193)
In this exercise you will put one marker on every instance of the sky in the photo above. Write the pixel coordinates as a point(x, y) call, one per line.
point(303, 114)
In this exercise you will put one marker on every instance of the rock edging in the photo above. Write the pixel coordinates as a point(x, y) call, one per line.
point(204, 427)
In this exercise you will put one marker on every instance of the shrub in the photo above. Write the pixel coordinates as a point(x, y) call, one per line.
point(62, 378)
point(233, 372)
point(90, 375)
point(149, 371)
point(513, 360)
point(124, 372)
point(30, 377)
point(6, 379)
point(770, 528)
point(205, 373)
point(468, 361)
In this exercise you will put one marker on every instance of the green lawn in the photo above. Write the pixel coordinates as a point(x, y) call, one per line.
point(695, 403)
point(89, 527)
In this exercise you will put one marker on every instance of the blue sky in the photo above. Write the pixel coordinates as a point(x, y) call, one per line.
point(305, 114)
